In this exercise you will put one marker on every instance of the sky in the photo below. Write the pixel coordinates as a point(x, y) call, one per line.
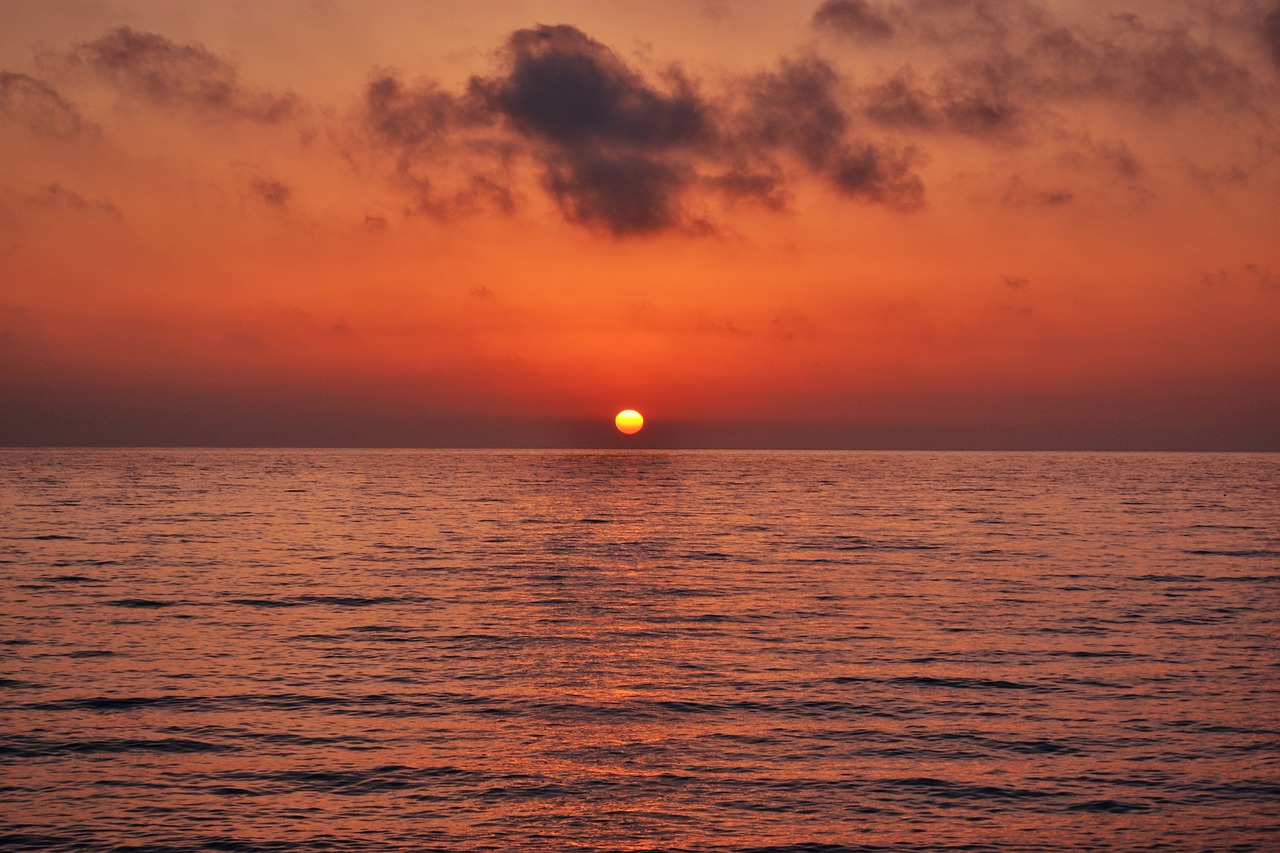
point(948, 224)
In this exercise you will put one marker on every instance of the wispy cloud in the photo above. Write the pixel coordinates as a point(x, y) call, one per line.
point(56, 195)
point(181, 76)
point(1006, 63)
point(35, 104)
point(856, 19)
point(797, 108)
point(1270, 33)
point(444, 146)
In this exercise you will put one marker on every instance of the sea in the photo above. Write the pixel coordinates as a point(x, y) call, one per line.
point(420, 650)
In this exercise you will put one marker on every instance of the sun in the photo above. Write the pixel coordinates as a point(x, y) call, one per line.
point(629, 421)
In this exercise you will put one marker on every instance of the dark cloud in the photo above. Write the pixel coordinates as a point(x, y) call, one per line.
point(955, 23)
point(854, 18)
point(624, 194)
point(573, 91)
point(1127, 60)
point(1025, 64)
point(413, 117)
point(947, 22)
point(877, 174)
point(36, 105)
point(271, 191)
point(978, 98)
point(616, 151)
point(445, 152)
point(621, 152)
point(1271, 33)
point(171, 75)
point(765, 188)
point(975, 98)
point(1163, 67)
point(899, 102)
point(798, 109)
point(1016, 282)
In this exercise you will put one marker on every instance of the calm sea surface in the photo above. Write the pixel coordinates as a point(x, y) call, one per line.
point(418, 650)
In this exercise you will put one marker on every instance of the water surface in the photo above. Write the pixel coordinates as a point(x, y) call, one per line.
point(415, 650)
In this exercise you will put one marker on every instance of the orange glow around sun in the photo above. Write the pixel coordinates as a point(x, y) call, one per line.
point(629, 421)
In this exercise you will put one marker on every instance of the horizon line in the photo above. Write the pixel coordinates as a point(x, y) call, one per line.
point(645, 448)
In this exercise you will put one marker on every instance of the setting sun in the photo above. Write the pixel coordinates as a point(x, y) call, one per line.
point(629, 421)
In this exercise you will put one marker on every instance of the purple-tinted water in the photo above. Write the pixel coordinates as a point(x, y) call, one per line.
point(378, 650)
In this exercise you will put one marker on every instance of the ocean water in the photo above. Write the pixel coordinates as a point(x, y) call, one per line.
point(435, 650)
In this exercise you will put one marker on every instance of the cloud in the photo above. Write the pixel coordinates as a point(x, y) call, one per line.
point(950, 22)
point(975, 98)
point(1214, 179)
point(854, 18)
point(797, 109)
point(1113, 155)
point(979, 98)
point(1019, 194)
point(622, 153)
point(1009, 65)
point(1270, 32)
point(790, 326)
point(1016, 282)
point(1250, 273)
point(616, 151)
point(880, 175)
point(714, 10)
point(766, 188)
point(446, 154)
point(572, 91)
point(36, 105)
point(56, 195)
point(900, 102)
point(1157, 67)
point(1263, 276)
point(415, 117)
point(171, 75)
point(624, 194)
point(1101, 165)
point(271, 191)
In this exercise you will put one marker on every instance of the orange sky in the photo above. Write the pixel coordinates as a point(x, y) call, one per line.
point(846, 224)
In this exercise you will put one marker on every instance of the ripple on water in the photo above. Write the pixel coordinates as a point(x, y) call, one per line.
point(467, 651)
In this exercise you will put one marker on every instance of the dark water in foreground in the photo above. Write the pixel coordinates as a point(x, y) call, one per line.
point(349, 650)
